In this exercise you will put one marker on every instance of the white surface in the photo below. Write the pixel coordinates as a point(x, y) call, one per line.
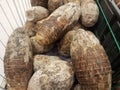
point(21, 5)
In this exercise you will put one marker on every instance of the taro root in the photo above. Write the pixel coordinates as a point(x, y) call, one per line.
point(18, 63)
point(42, 3)
point(36, 13)
point(89, 13)
point(56, 25)
point(54, 4)
point(52, 74)
point(64, 46)
point(37, 48)
point(29, 28)
point(91, 64)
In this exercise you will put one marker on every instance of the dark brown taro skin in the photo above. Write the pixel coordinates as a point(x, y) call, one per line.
point(90, 62)
point(18, 63)
point(42, 3)
point(54, 4)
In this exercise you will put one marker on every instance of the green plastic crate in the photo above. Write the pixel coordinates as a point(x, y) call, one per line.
point(108, 32)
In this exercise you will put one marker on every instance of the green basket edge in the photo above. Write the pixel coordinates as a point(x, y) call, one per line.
point(107, 22)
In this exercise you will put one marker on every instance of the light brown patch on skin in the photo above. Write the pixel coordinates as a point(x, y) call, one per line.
point(39, 3)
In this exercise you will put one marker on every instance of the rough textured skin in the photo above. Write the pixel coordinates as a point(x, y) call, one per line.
point(64, 46)
point(90, 62)
point(18, 61)
point(89, 13)
point(39, 3)
point(29, 28)
point(54, 4)
point(55, 26)
point(53, 74)
point(36, 13)
point(37, 48)
point(42, 61)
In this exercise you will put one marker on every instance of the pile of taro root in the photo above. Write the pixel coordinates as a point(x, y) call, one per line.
point(54, 50)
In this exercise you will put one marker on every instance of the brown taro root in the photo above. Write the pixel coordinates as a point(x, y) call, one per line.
point(54, 4)
point(37, 48)
point(91, 64)
point(55, 26)
point(29, 28)
point(18, 63)
point(52, 74)
point(89, 13)
point(36, 13)
point(64, 46)
point(42, 3)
